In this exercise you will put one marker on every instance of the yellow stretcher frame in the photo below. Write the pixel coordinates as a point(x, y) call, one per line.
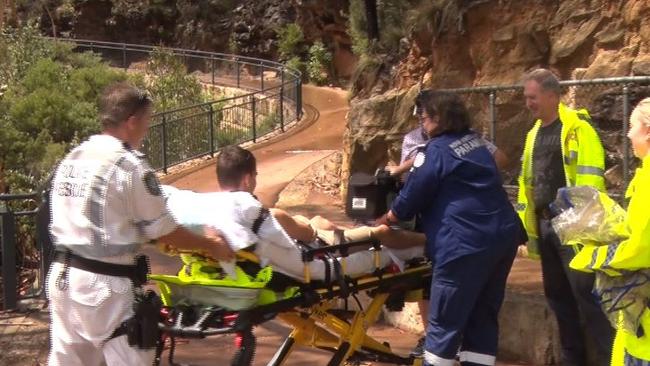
point(316, 326)
point(324, 330)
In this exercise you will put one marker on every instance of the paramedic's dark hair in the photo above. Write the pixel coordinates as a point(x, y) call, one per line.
point(419, 100)
point(120, 101)
point(233, 163)
point(451, 110)
point(546, 79)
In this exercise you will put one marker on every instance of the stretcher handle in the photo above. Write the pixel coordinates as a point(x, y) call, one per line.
point(343, 249)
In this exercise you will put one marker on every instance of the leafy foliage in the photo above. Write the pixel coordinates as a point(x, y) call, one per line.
point(49, 104)
point(168, 82)
point(319, 61)
point(268, 123)
point(296, 63)
point(394, 17)
point(290, 39)
point(357, 25)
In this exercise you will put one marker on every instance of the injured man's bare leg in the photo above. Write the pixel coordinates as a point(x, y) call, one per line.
point(306, 230)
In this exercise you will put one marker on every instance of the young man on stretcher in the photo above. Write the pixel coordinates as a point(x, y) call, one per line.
point(243, 221)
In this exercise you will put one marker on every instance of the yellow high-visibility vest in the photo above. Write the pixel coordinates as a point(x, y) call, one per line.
point(584, 164)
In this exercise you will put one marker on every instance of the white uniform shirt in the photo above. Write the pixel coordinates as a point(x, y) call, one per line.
point(106, 201)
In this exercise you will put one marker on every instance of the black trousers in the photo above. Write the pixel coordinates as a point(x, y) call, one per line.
point(569, 294)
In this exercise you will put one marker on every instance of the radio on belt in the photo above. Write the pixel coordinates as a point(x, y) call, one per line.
point(369, 196)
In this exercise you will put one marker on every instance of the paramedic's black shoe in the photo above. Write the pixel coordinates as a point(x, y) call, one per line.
point(418, 351)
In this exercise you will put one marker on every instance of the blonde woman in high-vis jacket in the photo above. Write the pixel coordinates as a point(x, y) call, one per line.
point(630, 348)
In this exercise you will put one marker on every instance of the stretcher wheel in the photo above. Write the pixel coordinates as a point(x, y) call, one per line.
point(246, 352)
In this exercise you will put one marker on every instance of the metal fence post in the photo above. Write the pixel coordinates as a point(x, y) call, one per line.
point(626, 142)
point(43, 235)
point(211, 122)
point(237, 68)
point(212, 58)
point(124, 56)
point(298, 99)
point(493, 114)
point(9, 280)
point(262, 76)
point(254, 118)
point(282, 99)
point(164, 142)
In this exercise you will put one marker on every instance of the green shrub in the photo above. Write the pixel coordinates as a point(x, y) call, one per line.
point(393, 18)
point(290, 39)
point(319, 62)
point(268, 124)
point(296, 63)
point(168, 82)
point(357, 25)
point(19, 49)
point(50, 103)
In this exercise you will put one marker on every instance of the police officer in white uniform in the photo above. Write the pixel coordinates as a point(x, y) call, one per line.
point(106, 202)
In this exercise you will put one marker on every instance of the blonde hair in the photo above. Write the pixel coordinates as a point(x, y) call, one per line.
point(642, 112)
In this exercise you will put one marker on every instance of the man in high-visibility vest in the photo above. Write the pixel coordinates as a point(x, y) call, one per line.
point(562, 149)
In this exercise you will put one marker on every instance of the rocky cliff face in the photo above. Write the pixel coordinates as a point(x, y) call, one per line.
point(494, 42)
point(246, 27)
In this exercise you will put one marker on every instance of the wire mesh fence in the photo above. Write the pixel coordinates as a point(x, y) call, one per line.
point(501, 115)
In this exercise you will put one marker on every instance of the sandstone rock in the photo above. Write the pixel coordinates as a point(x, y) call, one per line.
point(634, 10)
point(641, 65)
point(572, 36)
point(375, 127)
point(613, 33)
point(504, 34)
point(644, 28)
point(612, 63)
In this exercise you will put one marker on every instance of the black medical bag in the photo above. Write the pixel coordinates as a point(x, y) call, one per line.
point(369, 196)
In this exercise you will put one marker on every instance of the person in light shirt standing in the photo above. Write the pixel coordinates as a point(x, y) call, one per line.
point(106, 203)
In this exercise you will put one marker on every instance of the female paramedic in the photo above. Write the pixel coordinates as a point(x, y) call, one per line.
point(630, 348)
point(472, 233)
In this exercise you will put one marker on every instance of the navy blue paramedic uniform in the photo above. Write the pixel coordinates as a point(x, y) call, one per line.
point(472, 234)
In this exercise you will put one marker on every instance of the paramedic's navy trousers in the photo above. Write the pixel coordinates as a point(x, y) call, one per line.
point(466, 295)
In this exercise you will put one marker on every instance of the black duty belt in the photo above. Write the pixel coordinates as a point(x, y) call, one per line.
point(137, 272)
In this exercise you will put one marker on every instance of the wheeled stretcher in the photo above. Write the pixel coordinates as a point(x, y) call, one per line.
point(203, 301)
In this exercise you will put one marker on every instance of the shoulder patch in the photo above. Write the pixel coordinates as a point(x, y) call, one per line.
point(419, 159)
point(152, 183)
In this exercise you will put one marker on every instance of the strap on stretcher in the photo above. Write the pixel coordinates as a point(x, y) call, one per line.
point(327, 256)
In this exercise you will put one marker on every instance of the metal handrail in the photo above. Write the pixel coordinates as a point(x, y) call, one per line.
point(287, 92)
point(564, 83)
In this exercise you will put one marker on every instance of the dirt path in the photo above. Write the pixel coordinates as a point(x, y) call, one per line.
point(279, 162)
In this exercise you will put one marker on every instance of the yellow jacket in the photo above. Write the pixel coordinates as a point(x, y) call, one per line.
point(584, 164)
point(631, 254)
